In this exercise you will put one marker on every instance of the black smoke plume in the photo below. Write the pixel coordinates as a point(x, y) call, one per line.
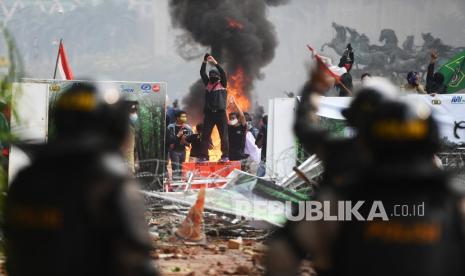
point(237, 32)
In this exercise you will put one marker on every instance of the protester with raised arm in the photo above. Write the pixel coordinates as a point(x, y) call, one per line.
point(435, 81)
point(215, 107)
point(237, 131)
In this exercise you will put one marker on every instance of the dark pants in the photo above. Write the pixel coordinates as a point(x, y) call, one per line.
point(177, 158)
point(220, 120)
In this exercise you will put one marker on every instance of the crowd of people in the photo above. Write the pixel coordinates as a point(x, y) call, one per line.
point(76, 209)
point(434, 83)
point(240, 139)
point(391, 162)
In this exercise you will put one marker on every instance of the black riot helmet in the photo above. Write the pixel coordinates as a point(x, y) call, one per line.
point(367, 101)
point(402, 130)
point(84, 110)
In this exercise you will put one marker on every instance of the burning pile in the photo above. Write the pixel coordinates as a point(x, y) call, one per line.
point(240, 37)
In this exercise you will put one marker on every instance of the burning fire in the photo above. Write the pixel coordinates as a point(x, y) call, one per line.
point(215, 152)
point(234, 24)
point(236, 83)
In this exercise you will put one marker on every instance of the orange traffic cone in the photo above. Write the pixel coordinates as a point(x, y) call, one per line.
point(192, 227)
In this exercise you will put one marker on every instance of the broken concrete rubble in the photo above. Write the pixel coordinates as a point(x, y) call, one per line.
point(244, 196)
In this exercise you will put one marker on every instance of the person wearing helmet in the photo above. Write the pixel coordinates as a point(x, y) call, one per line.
point(215, 106)
point(342, 158)
point(401, 138)
point(75, 210)
point(420, 230)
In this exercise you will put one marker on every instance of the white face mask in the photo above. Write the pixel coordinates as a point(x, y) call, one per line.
point(233, 122)
point(133, 117)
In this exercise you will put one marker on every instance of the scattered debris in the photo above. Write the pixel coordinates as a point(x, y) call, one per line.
point(232, 239)
point(234, 244)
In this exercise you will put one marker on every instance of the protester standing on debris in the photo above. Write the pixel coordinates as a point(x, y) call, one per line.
point(261, 144)
point(435, 81)
point(347, 61)
point(177, 135)
point(237, 131)
point(75, 210)
point(215, 107)
point(413, 84)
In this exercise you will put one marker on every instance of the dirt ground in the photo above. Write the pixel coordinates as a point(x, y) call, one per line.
point(215, 258)
point(232, 247)
point(219, 255)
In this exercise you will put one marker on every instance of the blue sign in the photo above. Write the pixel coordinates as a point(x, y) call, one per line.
point(146, 87)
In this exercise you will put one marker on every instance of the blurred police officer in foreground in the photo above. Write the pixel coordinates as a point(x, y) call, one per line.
point(75, 210)
point(428, 238)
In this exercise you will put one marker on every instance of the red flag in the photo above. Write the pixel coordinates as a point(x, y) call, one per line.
point(328, 69)
point(333, 71)
point(63, 65)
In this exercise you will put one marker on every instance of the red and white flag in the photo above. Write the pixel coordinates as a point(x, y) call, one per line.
point(62, 64)
point(325, 64)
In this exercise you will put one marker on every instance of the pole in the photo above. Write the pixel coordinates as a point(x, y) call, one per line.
point(335, 77)
point(58, 56)
point(345, 87)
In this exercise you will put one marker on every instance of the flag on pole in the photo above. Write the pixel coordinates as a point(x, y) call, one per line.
point(454, 73)
point(325, 65)
point(62, 65)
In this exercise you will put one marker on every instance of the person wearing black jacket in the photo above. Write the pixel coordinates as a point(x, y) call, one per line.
point(237, 131)
point(261, 144)
point(177, 134)
point(76, 209)
point(195, 140)
point(215, 107)
point(435, 81)
point(347, 61)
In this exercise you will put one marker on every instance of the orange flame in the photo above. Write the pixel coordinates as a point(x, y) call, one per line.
point(234, 24)
point(215, 152)
point(236, 85)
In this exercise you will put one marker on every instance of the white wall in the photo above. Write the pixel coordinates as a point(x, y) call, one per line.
point(281, 150)
point(30, 111)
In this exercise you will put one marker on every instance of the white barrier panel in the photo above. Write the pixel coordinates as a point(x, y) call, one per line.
point(30, 109)
point(33, 100)
point(281, 143)
point(448, 110)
